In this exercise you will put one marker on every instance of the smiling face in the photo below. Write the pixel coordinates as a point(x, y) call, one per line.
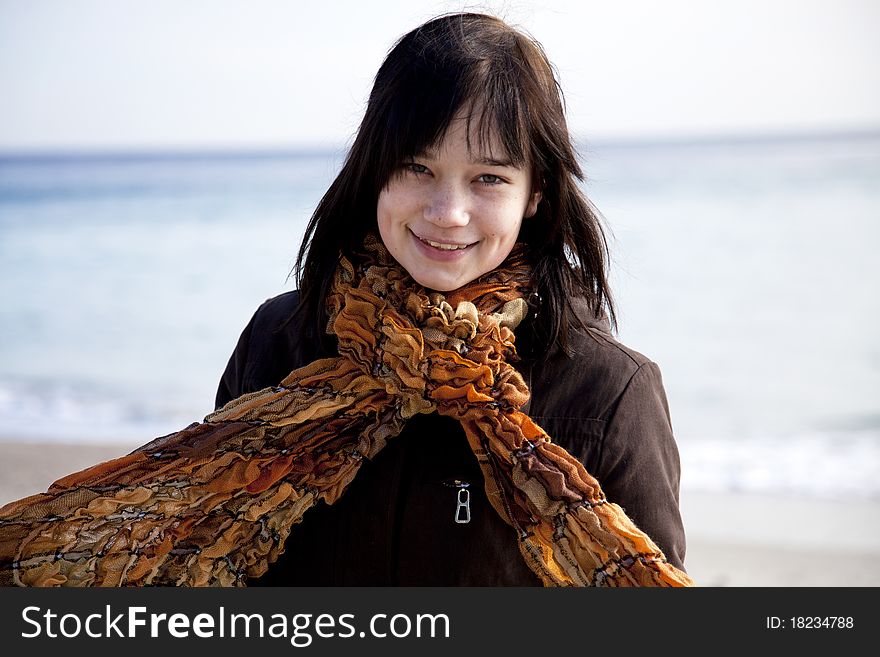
point(450, 215)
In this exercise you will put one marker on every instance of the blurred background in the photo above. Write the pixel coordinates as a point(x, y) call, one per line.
point(159, 161)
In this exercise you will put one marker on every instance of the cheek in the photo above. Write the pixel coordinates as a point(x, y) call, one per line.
point(385, 222)
point(393, 214)
point(503, 221)
point(387, 214)
point(382, 207)
point(396, 203)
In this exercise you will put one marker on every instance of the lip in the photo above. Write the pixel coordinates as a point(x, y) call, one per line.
point(443, 255)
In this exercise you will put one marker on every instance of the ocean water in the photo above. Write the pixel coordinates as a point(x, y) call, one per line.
point(747, 270)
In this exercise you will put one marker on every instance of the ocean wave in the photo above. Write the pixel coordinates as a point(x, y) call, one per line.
point(826, 465)
point(32, 411)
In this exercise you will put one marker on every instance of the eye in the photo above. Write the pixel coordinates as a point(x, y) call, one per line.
point(413, 167)
point(490, 179)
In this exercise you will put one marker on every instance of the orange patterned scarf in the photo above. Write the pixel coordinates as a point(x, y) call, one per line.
point(213, 504)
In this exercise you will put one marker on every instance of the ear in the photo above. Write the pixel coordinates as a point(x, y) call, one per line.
point(532, 207)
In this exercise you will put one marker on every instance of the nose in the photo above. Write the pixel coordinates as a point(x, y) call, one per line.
point(447, 206)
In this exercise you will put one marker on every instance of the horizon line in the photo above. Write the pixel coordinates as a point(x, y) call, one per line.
point(255, 150)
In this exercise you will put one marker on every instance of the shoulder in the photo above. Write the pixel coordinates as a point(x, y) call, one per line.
point(272, 333)
point(589, 381)
point(266, 351)
point(276, 311)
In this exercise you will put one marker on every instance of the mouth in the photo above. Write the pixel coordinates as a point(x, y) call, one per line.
point(443, 246)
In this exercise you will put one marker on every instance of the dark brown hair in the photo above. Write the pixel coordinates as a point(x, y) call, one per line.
point(501, 78)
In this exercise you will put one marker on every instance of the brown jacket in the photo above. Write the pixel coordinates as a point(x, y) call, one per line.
point(396, 523)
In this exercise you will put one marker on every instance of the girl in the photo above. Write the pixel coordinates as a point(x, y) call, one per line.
point(441, 402)
point(462, 152)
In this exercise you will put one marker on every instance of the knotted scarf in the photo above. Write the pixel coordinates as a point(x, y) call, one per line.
point(213, 504)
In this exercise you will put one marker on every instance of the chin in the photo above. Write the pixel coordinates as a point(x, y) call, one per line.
point(435, 285)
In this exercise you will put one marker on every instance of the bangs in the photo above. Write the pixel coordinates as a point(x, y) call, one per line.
point(422, 98)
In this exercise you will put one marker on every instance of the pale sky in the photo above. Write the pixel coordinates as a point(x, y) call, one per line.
point(278, 73)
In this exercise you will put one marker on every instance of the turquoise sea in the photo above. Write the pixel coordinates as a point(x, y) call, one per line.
point(747, 269)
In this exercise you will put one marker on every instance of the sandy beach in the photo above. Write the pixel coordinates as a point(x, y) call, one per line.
point(733, 539)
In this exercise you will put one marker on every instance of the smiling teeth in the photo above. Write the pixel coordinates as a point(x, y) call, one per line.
point(445, 247)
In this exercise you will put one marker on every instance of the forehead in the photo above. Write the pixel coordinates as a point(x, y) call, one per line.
point(474, 136)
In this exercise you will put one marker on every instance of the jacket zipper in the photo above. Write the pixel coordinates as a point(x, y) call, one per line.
point(462, 500)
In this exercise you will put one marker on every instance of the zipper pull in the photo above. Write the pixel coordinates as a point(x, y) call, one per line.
point(463, 507)
point(463, 500)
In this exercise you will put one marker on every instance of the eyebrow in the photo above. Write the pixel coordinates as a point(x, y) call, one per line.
point(487, 161)
point(492, 162)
